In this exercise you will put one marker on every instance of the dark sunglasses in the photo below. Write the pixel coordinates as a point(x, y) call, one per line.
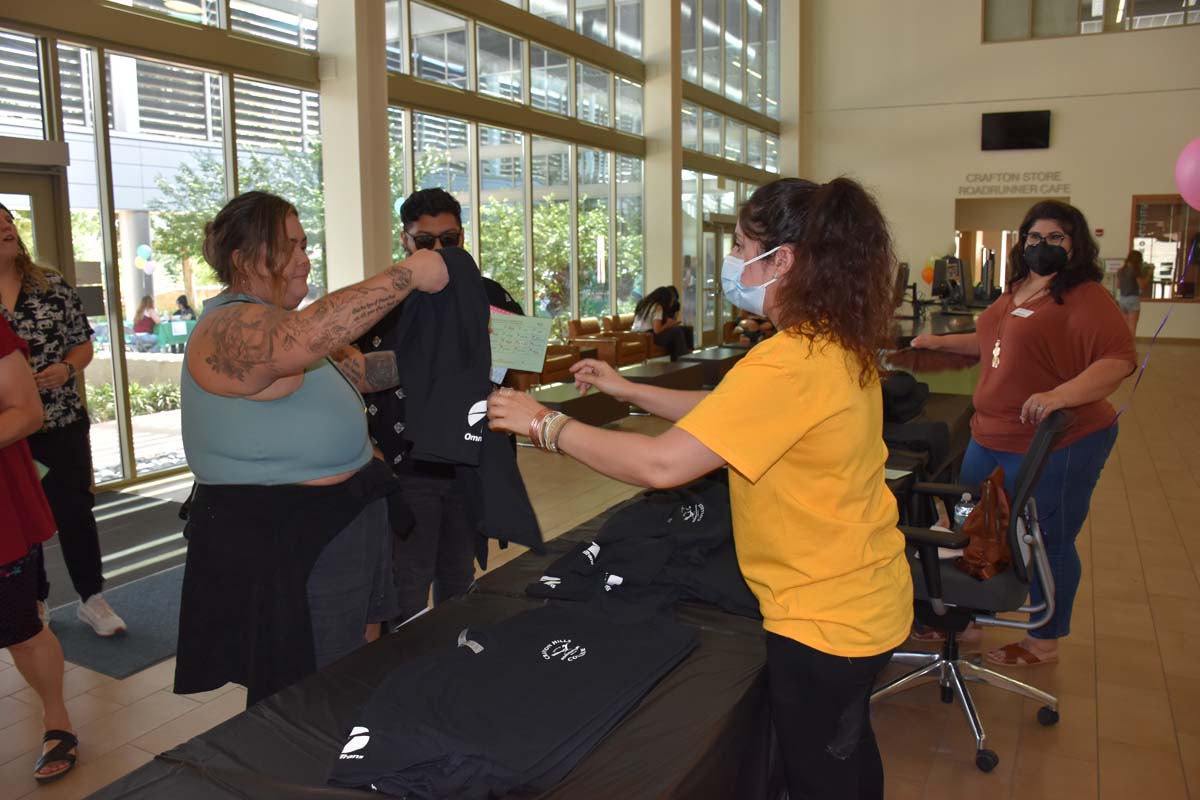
point(425, 241)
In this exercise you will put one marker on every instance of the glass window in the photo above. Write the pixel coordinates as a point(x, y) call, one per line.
point(754, 55)
point(1166, 231)
point(517, 3)
point(21, 89)
point(279, 150)
point(393, 25)
point(502, 208)
point(1006, 20)
point(771, 161)
point(291, 22)
point(201, 11)
point(735, 65)
point(441, 159)
point(591, 94)
point(630, 244)
point(688, 20)
point(595, 261)
point(710, 38)
point(690, 125)
point(499, 64)
point(552, 285)
point(772, 11)
point(689, 289)
point(549, 80)
point(1055, 17)
point(591, 19)
point(550, 10)
point(439, 46)
point(396, 166)
point(735, 139)
point(76, 67)
point(168, 173)
point(629, 106)
point(754, 148)
point(628, 34)
point(712, 133)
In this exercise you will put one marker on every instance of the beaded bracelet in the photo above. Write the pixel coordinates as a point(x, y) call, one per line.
point(554, 428)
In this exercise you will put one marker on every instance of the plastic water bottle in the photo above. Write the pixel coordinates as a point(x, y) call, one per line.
point(962, 510)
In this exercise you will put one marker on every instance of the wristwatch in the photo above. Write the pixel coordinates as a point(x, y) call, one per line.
point(70, 370)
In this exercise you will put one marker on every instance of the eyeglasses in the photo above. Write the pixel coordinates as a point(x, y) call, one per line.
point(1056, 239)
point(425, 241)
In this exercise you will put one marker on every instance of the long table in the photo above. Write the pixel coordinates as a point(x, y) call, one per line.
point(703, 732)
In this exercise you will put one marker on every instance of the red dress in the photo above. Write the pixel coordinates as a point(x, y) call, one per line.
point(25, 518)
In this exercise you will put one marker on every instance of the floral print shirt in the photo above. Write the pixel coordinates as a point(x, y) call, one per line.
point(52, 322)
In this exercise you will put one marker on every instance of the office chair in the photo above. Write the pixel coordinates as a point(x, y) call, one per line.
point(949, 600)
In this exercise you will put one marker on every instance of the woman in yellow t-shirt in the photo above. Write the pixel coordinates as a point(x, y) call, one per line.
point(814, 523)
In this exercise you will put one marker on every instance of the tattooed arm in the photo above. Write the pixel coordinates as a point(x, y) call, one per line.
point(369, 372)
point(244, 348)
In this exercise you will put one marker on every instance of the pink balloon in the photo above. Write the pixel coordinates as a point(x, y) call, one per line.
point(1187, 174)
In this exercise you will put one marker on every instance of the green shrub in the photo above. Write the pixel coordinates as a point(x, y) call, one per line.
point(102, 406)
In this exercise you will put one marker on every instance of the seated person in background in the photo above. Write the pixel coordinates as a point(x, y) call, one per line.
point(144, 320)
point(753, 328)
point(183, 309)
point(657, 313)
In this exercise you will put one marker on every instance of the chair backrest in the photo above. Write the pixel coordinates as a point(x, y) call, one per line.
point(583, 327)
point(1048, 434)
point(622, 322)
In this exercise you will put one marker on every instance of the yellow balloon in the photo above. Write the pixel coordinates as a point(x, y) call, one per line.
point(139, 262)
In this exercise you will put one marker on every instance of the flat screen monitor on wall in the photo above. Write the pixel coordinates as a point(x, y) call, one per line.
point(1016, 130)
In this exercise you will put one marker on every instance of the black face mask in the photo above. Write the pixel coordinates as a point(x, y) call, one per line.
point(1045, 258)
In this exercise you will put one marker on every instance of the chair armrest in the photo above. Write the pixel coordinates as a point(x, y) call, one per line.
point(946, 491)
point(951, 540)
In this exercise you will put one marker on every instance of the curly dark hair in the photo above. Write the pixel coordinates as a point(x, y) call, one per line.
point(429, 202)
point(842, 287)
point(1084, 264)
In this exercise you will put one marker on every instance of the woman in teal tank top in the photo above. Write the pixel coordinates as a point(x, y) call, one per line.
point(289, 561)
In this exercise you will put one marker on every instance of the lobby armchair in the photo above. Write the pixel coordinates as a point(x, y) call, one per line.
point(949, 600)
point(615, 349)
point(621, 325)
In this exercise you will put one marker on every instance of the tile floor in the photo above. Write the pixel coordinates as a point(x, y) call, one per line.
point(1128, 679)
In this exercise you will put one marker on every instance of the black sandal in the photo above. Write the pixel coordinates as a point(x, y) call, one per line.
point(60, 752)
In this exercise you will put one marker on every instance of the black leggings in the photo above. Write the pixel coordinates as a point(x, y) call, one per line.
point(67, 452)
point(676, 340)
point(820, 707)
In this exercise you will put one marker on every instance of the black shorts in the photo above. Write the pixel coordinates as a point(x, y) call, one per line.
point(19, 619)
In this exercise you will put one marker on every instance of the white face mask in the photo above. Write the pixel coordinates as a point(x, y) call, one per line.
point(747, 298)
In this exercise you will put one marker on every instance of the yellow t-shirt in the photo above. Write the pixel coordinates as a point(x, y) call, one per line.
point(813, 520)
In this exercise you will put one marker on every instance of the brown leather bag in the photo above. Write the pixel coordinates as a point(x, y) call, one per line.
point(988, 553)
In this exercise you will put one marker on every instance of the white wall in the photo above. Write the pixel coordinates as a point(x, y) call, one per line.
point(893, 97)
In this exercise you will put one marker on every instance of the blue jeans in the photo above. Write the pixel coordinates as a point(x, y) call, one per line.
point(1063, 496)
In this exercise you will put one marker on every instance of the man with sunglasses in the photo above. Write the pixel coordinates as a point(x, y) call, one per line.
point(440, 551)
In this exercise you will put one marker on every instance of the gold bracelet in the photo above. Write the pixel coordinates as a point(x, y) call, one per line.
point(554, 430)
point(544, 428)
point(535, 426)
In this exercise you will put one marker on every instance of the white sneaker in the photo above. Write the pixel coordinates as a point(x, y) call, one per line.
point(44, 613)
point(99, 614)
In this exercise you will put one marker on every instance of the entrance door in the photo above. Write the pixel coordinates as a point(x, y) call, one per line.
point(30, 197)
point(714, 311)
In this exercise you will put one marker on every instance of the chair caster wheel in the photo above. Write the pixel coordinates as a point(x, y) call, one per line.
point(947, 694)
point(986, 760)
point(1047, 716)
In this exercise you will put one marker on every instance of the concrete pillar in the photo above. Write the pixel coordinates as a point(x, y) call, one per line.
point(664, 160)
point(354, 140)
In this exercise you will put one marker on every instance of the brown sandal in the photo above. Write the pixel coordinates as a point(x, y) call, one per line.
point(1018, 655)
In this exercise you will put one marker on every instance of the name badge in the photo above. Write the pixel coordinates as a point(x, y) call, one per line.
point(1022, 312)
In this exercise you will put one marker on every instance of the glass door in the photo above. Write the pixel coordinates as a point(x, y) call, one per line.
point(714, 311)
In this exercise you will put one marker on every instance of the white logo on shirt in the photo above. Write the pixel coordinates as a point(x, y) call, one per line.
point(692, 514)
point(563, 650)
point(591, 553)
point(477, 412)
point(550, 581)
point(359, 737)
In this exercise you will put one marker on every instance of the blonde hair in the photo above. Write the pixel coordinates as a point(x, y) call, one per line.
point(34, 277)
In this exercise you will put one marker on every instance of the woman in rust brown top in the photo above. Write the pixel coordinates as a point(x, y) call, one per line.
point(1055, 339)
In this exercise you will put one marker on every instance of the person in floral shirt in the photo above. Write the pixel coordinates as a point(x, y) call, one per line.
point(45, 311)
